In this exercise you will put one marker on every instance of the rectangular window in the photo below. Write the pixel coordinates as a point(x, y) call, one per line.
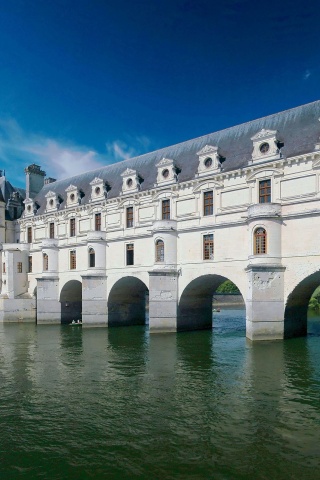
point(51, 230)
point(29, 234)
point(72, 227)
point(4, 267)
point(15, 212)
point(265, 191)
point(130, 254)
point(97, 222)
point(129, 217)
point(165, 209)
point(73, 260)
point(208, 203)
point(29, 264)
point(19, 267)
point(208, 247)
point(45, 262)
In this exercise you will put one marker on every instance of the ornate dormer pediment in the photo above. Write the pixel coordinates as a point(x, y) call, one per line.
point(167, 172)
point(53, 201)
point(73, 195)
point(266, 146)
point(98, 189)
point(130, 181)
point(30, 207)
point(209, 161)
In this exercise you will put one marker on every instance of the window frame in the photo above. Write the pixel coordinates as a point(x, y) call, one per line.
point(51, 230)
point(129, 217)
point(29, 234)
point(72, 260)
point(159, 251)
point(260, 241)
point(72, 225)
point(97, 222)
point(19, 267)
point(92, 257)
point(208, 246)
point(264, 190)
point(45, 262)
point(208, 203)
point(129, 249)
point(165, 209)
point(30, 264)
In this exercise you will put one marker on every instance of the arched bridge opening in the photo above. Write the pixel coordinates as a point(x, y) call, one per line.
point(71, 301)
point(197, 303)
point(297, 306)
point(128, 302)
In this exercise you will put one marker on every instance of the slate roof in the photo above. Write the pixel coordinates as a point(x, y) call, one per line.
point(298, 128)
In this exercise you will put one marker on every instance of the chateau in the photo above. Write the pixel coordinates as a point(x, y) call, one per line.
point(241, 204)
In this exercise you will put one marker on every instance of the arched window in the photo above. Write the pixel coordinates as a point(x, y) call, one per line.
point(159, 251)
point(260, 241)
point(45, 262)
point(92, 258)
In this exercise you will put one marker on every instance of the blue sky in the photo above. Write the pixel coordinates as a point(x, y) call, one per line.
point(85, 83)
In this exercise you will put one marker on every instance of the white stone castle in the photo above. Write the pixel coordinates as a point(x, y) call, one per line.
point(241, 204)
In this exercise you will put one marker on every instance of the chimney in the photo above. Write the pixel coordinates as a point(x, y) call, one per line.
point(34, 180)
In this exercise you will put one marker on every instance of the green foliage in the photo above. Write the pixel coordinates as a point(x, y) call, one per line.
point(228, 288)
point(314, 303)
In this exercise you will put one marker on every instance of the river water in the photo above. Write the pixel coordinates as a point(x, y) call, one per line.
point(119, 403)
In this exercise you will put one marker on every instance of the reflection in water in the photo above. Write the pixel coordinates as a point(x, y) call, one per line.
point(120, 403)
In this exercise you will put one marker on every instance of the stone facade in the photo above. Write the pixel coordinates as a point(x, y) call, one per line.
point(242, 204)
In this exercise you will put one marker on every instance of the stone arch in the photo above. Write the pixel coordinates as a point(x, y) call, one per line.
point(195, 305)
point(127, 302)
point(296, 307)
point(71, 301)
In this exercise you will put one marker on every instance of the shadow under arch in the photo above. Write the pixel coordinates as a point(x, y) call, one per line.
point(296, 309)
point(127, 302)
point(71, 301)
point(195, 305)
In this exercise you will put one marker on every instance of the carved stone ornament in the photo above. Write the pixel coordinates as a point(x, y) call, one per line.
point(52, 201)
point(167, 172)
point(265, 146)
point(209, 161)
point(130, 181)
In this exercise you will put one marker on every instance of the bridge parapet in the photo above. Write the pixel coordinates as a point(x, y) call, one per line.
point(264, 210)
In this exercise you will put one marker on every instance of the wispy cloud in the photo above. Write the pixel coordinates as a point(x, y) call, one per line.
point(118, 150)
point(58, 158)
point(306, 75)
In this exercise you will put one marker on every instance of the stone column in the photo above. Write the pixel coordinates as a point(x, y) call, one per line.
point(264, 303)
point(94, 283)
point(94, 300)
point(265, 276)
point(48, 305)
point(163, 280)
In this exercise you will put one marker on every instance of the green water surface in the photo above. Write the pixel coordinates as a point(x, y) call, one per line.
point(119, 403)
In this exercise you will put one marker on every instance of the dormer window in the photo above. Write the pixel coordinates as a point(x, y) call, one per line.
point(209, 161)
point(266, 146)
point(98, 189)
point(73, 195)
point(131, 181)
point(167, 172)
point(30, 207)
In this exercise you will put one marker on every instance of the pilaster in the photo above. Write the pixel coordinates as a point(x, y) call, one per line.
point(163, 300)
point(265, 302)
point(48, 305)
point(94, 301)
